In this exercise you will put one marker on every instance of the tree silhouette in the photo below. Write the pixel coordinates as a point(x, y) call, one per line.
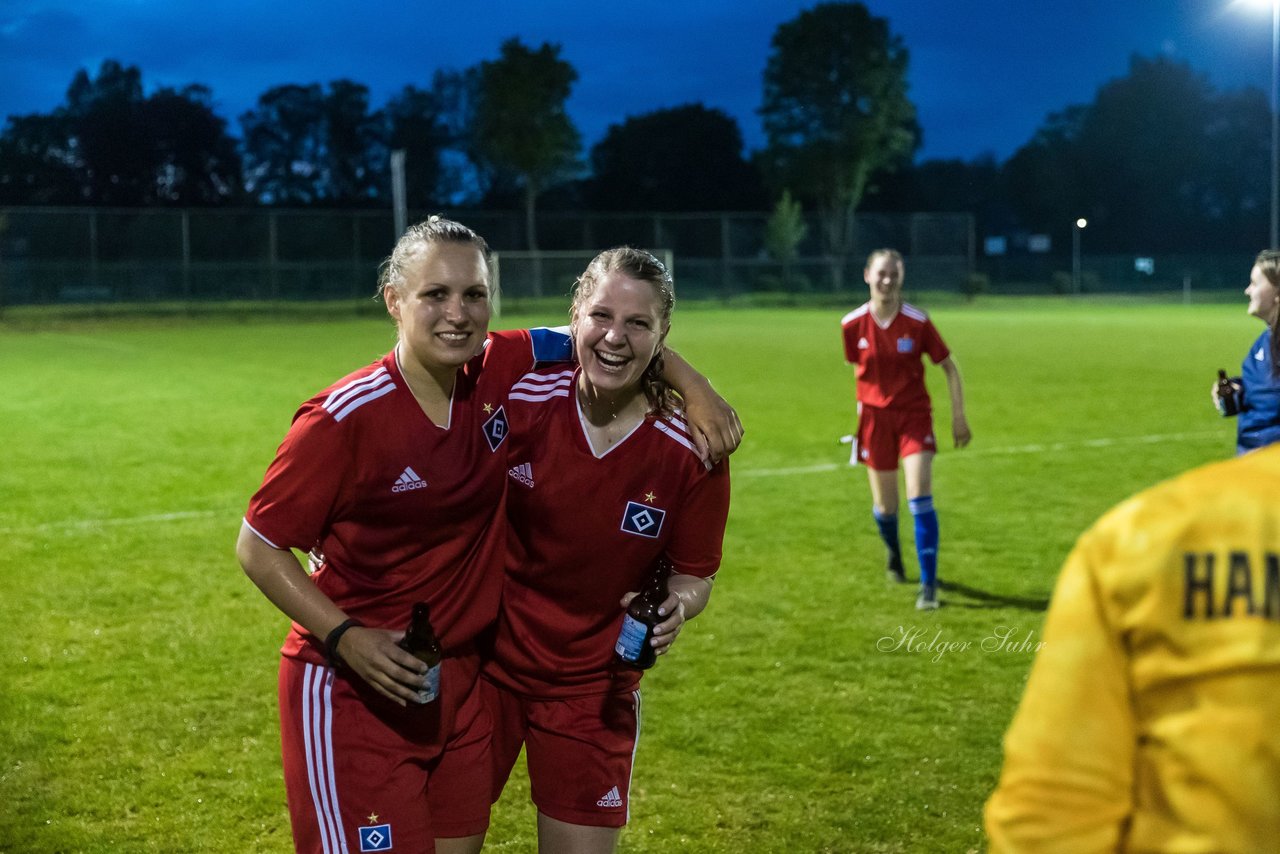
point(835, 112)
point(521, 124)
point(686, 158)
point(109, 144)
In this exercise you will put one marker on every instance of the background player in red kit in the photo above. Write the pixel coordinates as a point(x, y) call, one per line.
point(603, 480)
point(396, 474)
point(887, 339)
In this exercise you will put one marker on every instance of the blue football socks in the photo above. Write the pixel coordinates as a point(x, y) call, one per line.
point(888, 525)
point(926, 537)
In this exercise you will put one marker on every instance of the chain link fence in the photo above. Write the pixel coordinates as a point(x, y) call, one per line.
point(79, 255)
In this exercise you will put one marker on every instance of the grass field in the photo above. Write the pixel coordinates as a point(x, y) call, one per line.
point(137, 708)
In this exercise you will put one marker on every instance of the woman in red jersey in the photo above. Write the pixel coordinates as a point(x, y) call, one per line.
point(604, 480)
point(887, 339)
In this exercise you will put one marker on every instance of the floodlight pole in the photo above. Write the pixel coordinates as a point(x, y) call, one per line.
point(1077, 227)
point(1275, 125)
point(398, 203)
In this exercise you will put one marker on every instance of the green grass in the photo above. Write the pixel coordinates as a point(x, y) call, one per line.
point(137, 708)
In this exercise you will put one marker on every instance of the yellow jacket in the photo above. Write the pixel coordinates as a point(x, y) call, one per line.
point(1151, 718)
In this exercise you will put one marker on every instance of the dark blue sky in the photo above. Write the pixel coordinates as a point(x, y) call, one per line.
point(984, 73)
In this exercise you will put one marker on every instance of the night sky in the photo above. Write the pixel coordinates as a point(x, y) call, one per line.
point(984, 74)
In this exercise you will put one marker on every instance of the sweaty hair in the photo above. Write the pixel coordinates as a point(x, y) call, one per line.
point(893, 254)
point(643, 267)
point(414, 242)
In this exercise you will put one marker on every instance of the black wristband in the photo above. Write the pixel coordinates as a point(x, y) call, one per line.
point(331, 641)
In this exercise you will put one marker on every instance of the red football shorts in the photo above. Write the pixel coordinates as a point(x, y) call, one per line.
point(579, 752)
point(887, 435)
point(362, 773)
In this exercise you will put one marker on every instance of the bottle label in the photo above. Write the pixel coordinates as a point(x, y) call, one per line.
point(430, 687)
point(631, 639)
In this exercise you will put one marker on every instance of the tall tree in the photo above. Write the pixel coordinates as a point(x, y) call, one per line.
point(1144, 140)
point(686, 158)
point(107, 115)
point(1158, 161)
point(304, 145)
point(1237, 198)
point(1040, 178)
point(284, 145)
point(416, 125)
point(354, 146)
point(38, 162)
point(110, 144)
point(784, 231)
point(196, 161)
point(521, 124)
point(835, 112)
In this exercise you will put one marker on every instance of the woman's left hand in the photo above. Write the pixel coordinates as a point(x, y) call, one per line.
point(665, 633)
point(716, 428)
point(960, 431)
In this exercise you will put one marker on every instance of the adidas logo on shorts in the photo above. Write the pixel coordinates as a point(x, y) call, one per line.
point(610, 798)
point(523, 473)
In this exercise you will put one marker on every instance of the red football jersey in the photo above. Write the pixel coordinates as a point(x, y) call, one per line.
point(889, 358)
point(403, 510)
point(585, 530)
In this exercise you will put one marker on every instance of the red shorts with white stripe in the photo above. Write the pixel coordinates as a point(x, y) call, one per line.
point(364, 774)
point(886, 435)
point(579, 752)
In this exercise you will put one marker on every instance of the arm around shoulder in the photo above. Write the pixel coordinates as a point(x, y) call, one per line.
point(717, 430)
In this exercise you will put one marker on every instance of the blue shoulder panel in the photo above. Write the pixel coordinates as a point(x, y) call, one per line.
point(551, 345)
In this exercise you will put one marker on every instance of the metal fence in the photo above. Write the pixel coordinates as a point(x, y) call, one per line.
point(67, 255)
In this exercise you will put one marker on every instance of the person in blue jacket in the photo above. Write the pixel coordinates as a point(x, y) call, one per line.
point(1258, 386)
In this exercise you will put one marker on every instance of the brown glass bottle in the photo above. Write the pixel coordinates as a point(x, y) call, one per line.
point(420, 641)
point(1227, 401)
point(634, 646)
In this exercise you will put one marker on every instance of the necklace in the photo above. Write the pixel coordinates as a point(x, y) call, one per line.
point(606, 428)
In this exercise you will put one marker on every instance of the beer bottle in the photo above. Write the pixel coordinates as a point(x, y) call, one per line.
point(1227, 402)
point(634, 645)
point(421, 642)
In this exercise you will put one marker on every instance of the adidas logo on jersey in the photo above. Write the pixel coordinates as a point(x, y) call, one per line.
point(863, 344)
point(610, 798)
point(523, 473)
point(408, 480)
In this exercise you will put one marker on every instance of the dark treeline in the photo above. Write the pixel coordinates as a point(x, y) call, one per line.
point(1159, 161)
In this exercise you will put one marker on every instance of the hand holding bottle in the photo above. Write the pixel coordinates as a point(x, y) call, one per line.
point(671, 610)
point(375, 655)
point(635, 644)
point(421, 642)
point(1226, 394)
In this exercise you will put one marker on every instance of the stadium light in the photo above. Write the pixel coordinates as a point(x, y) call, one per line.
point(1081, 224)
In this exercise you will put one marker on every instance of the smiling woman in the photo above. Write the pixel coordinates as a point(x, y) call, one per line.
point(438, 293)
point(605, 484)
point(1257, 389)
point(619, 326)
point(394, 476)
